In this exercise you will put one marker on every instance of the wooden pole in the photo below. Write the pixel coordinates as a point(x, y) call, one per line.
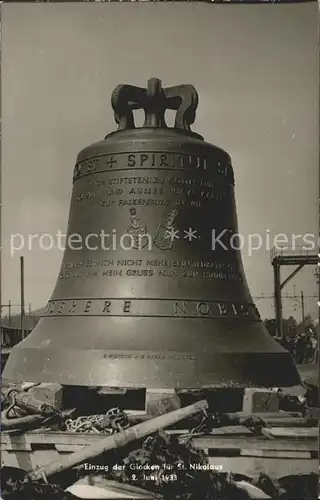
point(302, 309)
point(118, 440)
point(22, 296)
point(277, 298)
point(9, 313)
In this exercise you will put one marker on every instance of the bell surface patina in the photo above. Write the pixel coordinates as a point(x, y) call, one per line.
point(152, 290)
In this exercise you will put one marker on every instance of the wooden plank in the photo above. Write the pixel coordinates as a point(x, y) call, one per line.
point(234, 430)
point(251, 467)
point(291, 422)
point(175, 432)
point(28, 461)
point(265, 415)
point(276, 454)
point(293, 432)
point(49, 437)
point(21, 445)
point(70, 448)
point(25, 441)
point(235, 442)
point(60, 441)
point(59, 438)
point(246, 466)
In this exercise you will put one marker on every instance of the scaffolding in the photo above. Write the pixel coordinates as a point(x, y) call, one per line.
point(298, 257)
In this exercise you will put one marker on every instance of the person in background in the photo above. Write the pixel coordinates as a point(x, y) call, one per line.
point(290, 345)
point(315, 353)
point(300, 348)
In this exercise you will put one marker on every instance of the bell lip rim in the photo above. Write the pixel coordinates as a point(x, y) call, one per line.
point(226, 381)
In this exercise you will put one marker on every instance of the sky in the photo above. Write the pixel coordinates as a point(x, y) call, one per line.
point(255, 68)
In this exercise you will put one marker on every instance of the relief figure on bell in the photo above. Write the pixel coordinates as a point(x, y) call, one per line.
point(165, 232)
point(137, 232)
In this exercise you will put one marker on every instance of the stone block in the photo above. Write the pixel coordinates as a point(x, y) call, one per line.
point(161, 401)
point(260, 400)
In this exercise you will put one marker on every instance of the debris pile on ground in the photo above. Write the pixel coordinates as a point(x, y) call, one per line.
point(140, 454)
point(301, 487)
point(15, 486)
point(165, 466)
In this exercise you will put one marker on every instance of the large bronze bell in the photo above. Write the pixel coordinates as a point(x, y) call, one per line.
point(148, 294)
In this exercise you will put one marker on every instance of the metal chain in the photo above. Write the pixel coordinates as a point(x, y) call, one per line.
point(109, 423)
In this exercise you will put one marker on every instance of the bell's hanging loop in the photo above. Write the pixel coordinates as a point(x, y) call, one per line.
point(154, 100)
